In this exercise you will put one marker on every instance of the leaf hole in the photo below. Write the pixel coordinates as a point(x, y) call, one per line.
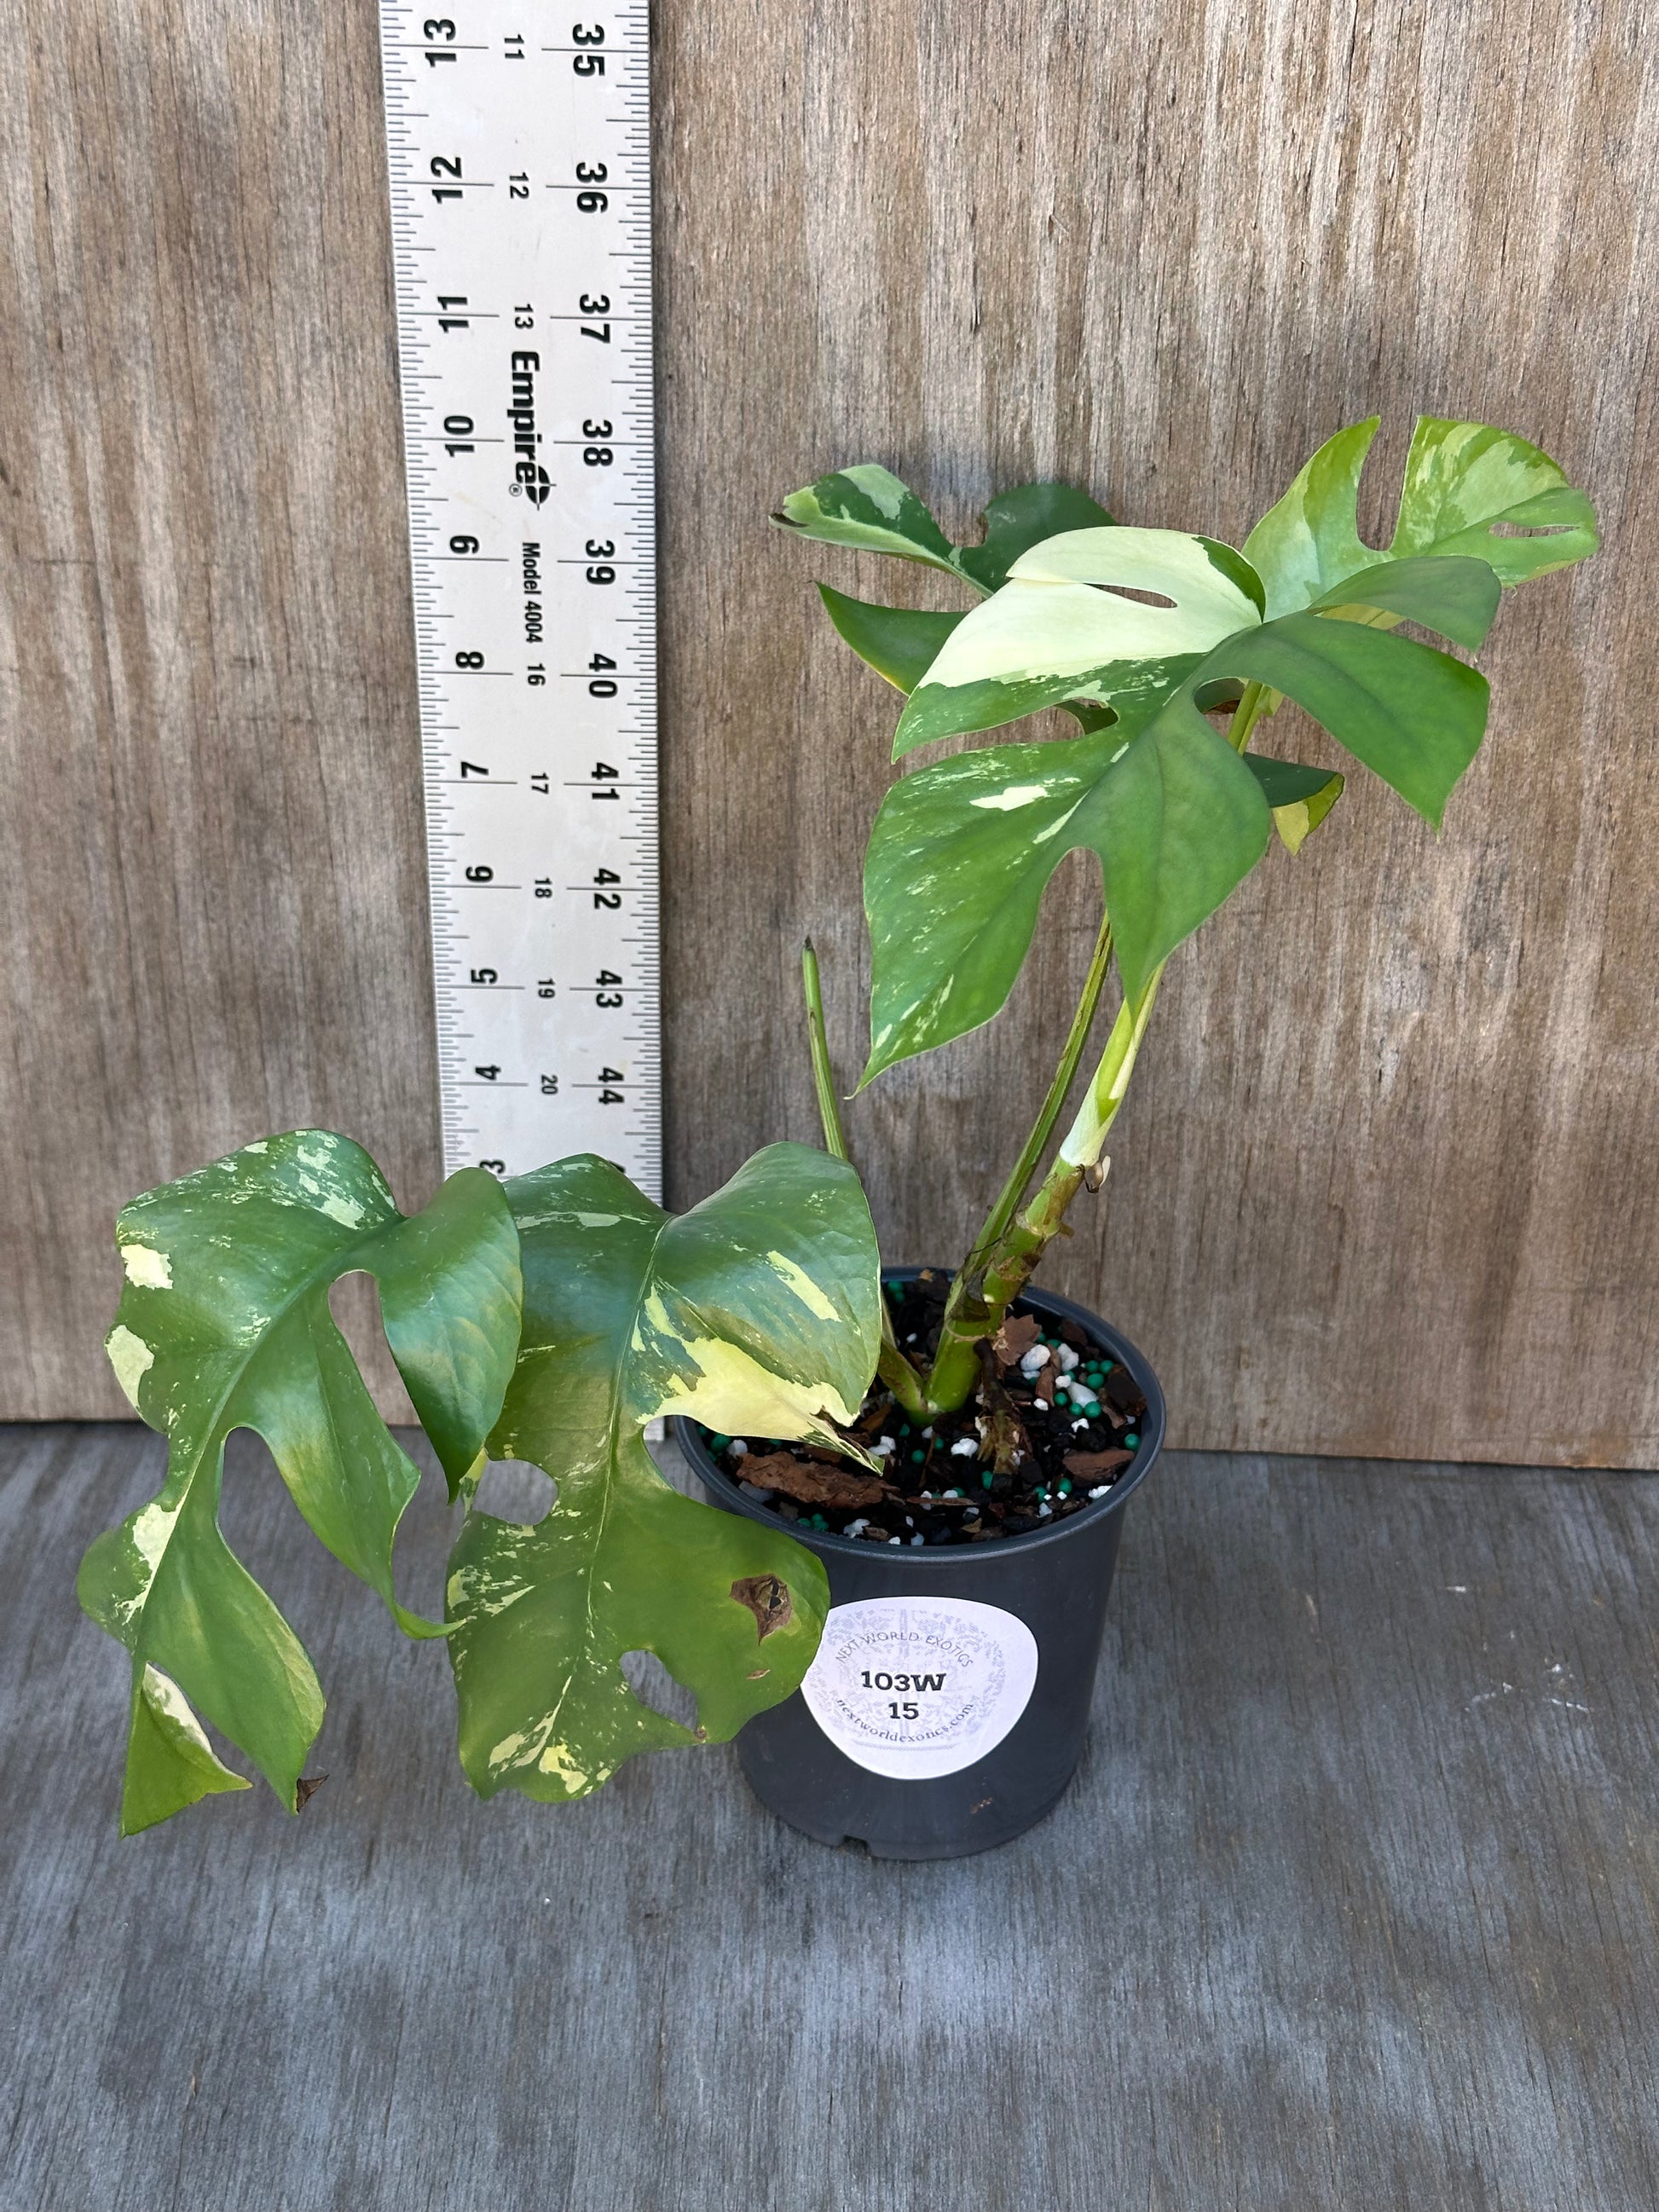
point(354, 1301)
point(1129, 592)
point(654, 1685)
point(1529, 529)
point(517, 1491)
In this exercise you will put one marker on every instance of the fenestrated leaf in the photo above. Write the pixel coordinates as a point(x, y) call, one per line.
point(900, 643)
point(224, 1324)
point(1465, 484)
point(869, 508)
point(1062, 629)
point(756, 1312)
point(1414, 715)
point(1017, 520)
point(962, 852)
point(1300, 798)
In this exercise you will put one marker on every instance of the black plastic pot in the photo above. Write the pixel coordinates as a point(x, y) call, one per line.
point(983, 1655)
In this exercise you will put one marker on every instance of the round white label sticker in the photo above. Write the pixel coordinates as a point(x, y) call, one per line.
point(916, 1686)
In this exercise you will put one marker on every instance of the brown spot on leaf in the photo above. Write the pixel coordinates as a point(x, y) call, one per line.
point(835, 1484)
point(1019, 1333)
point(758, 1673)
point(768, 1600)
point(1096, 1467)
point(306, 1788)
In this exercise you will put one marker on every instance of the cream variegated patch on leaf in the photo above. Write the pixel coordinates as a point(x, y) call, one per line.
point(225, 1324)
point(1115, 617)
point(868, 508)
point(758, 1313)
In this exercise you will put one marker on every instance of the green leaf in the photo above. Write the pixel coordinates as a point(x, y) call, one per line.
point(1017, 520)
point(1413, 715)
point(1455, 597)
point(962, 852)
point(1187, 824)
point(170, 1762)
point(225, 1324)
point(1465, 484)
point(900, 643)
point(1300, 798)
point(868, 508)
point(758, 1313)
point(1062, 628)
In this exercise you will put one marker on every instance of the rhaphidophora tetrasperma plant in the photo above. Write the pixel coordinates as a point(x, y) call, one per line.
point(550, 1318)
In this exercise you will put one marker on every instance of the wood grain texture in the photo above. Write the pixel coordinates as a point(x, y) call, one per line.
point(1386, 1180)
point(211, 860)
point(1354, 1902)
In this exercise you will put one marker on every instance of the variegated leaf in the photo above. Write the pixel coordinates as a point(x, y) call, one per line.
point(1073, 622)
point(868, 508)
point(1300, 798)
point(225, 1324)
point(756, 1312)
point(1469, 490)
point(170, 1762)
point(961, 854)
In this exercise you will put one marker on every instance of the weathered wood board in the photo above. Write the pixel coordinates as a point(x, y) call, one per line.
point(1354, 1902)
point(1386, 1183)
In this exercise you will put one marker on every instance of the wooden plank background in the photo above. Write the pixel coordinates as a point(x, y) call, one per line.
point(1385, 1185)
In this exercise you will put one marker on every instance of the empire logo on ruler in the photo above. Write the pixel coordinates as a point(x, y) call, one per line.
point(519, 155)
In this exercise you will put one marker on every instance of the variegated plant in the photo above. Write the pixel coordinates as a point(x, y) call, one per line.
point(547, 1320)
point(1143, 634)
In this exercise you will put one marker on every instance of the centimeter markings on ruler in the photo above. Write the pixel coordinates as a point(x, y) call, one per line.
point(518, 147)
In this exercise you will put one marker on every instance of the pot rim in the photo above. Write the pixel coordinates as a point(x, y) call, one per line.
point(941, 1557)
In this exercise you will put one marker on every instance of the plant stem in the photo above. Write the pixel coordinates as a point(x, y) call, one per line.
point(824, 1083)
point(965, 1286)
point(1252, 705)
point(1001, 1264)
point(894, 1369)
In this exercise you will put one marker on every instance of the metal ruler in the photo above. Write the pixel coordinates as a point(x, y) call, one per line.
point(519, 144)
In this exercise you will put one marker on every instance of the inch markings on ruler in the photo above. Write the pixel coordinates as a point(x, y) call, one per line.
point(520, 174)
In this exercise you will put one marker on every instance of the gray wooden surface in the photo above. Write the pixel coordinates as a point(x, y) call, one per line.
point(1386, 1180)
point(1354, 1903)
